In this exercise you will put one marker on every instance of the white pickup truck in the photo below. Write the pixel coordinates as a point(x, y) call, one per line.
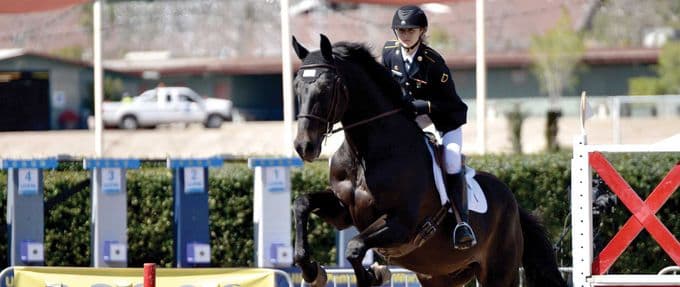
point(165, 105)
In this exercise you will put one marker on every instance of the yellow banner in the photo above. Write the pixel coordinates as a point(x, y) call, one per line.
point(119, 277)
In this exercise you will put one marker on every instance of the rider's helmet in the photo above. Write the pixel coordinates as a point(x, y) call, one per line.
point(409, 17)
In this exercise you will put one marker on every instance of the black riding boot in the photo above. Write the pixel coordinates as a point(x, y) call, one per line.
point(463, 236)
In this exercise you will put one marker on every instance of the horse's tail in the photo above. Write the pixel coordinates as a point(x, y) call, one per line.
point(540, 265)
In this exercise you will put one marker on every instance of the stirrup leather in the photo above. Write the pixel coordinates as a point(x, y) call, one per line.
point(472, 233)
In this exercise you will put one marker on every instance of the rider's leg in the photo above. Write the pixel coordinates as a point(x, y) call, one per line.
point(463, 236)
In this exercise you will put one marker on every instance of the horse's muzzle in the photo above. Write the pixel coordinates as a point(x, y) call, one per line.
point(307, 150)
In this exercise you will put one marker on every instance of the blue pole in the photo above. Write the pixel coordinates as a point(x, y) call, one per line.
point(191, 216)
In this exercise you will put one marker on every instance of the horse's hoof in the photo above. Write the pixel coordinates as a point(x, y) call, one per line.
point(321, 277)
point(382, 274)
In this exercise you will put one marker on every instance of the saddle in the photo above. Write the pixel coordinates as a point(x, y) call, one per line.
point(437, 148)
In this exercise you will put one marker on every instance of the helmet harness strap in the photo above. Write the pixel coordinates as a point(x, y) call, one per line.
point(409, 49)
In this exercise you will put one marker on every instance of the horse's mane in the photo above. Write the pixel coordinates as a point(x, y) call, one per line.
point(360, 54)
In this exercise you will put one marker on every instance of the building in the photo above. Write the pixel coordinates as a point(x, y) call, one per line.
point(43, 92)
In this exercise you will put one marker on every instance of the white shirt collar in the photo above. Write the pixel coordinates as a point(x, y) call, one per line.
point(405, 56)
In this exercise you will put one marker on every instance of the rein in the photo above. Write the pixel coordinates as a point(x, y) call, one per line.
point(335, 101)
point(361, 122)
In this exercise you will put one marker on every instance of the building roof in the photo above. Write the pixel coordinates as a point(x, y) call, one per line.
point(26, 6)
point(590, 57)
point(197, 66)
point(7, 54)
point(272, 65)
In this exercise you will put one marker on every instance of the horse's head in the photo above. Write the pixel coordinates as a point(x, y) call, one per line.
point(322, 97)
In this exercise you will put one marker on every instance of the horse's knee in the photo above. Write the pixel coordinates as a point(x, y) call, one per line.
point(301, 205)
point(300, 257)
point(355, 249)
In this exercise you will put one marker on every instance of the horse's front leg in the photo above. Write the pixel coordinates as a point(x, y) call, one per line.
point(385, 231)
point(327, 206)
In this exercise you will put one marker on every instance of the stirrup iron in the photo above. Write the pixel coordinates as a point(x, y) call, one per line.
point(472, 233)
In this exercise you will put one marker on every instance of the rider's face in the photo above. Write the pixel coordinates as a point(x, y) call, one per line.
point(409, 36)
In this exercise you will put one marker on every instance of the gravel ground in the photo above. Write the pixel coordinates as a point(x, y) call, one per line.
point(248, 139)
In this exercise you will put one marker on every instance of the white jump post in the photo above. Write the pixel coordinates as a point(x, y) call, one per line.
point(272, 210)
point(587, 270)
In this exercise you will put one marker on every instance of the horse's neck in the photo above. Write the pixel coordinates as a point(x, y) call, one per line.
point(381, 135)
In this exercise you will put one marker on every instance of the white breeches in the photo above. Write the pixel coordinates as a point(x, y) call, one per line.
point(453, 144)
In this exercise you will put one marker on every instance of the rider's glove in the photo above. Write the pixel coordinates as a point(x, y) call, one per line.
point(421, 107)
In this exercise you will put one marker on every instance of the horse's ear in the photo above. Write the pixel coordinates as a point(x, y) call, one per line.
point(326, 48)
point(300, 51)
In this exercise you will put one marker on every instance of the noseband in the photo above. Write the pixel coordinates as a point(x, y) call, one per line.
point(339, 97)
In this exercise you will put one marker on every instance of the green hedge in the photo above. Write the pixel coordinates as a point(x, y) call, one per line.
point(540, 182)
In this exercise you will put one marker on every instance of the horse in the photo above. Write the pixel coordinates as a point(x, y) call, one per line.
point(381, 182)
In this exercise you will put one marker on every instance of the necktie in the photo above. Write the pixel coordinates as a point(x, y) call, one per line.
point(407, 64)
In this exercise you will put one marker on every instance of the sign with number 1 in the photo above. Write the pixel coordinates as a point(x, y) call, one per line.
point(275, 178)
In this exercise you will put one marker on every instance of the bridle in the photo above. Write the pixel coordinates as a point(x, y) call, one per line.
point(339, 98)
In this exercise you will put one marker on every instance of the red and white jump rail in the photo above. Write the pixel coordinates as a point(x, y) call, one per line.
point(592, 271)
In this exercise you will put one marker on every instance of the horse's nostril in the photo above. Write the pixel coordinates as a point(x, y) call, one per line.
point(299, 149)
point(309, 147)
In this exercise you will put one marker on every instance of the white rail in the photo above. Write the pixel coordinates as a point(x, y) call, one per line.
point(664, 106)
point(401, 277)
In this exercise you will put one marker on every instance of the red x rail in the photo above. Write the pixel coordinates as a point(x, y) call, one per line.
point(643, 213)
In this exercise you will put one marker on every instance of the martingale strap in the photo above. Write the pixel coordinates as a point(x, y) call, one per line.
point(425, 232)
point(430, 226)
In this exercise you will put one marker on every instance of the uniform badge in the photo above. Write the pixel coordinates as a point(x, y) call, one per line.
point(396, 67)
point(445, 77)
point(420, 58)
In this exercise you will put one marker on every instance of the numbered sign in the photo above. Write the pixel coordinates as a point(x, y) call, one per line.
point(28, 181)
point(111, 180)
point(193, 180)
point(275, 178)
point(271, 210)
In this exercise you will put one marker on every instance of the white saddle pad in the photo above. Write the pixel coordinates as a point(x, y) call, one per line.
point(476, 197)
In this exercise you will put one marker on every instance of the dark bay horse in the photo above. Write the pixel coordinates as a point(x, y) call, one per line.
point(382, 182)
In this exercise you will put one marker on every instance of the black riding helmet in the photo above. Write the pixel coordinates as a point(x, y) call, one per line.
point(409, 17)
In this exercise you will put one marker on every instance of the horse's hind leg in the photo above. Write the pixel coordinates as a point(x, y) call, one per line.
point(327, 206)
point(385, 231)
point(501, 267)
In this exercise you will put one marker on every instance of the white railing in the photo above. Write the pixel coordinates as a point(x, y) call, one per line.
point(403, 277)
point(661, 106)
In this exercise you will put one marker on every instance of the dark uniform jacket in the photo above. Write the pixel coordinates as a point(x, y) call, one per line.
point(428, 79)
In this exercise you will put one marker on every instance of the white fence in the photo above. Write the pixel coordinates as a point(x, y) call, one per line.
point(631, 106)
point(402, 277)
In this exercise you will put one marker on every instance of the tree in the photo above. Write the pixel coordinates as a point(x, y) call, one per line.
point(668, 81)
point(669, 67)
point(624, 23)
point(556, 55)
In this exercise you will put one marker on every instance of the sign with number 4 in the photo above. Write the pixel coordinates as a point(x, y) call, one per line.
point(28, 181)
